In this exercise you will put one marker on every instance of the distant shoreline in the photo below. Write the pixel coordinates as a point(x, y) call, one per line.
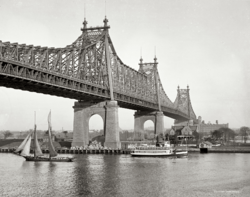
point(220, 149)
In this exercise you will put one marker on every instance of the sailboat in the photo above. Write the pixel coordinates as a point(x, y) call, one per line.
point(20, 149)
point(24, 148)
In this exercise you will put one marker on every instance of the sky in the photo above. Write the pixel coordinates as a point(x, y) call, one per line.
point(201, 43)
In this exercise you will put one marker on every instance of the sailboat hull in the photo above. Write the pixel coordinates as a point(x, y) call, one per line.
point(47, 159)
point(16, 153)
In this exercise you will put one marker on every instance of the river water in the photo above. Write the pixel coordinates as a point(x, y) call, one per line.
point(123, 175)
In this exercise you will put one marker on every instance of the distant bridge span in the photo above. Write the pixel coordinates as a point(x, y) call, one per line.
point(89, 70)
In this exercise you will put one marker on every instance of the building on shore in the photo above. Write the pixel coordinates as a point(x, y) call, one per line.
point(186, 129)
point(64, 136)
point(183, 131)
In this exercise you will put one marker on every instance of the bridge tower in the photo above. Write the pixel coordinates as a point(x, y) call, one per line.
point(183, 103)
point(108, 110)
point(149, 69)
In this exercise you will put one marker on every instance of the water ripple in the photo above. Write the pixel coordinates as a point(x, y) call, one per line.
point(123, 175)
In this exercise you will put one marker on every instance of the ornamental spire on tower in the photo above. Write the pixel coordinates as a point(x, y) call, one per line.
point(141, 60)
point(155, 59)
point(85, 23)
point(141, 57)
point(105, 22)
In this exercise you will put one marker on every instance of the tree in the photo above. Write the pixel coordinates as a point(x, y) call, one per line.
point(227, 133)
point(244, 133)
point(217, 134)
point(167, 136)
point(65, 132)
point(196, 136)
point(7, 134)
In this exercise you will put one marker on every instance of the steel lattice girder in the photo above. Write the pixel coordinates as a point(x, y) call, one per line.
point(82, 67)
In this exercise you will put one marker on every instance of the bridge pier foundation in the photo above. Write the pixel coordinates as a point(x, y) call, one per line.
point(141, 117)
point(159, 126)
point(112, 136)
point(81, 124)
point(83, 111)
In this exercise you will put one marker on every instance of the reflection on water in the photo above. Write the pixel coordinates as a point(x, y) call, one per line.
point(123, 175)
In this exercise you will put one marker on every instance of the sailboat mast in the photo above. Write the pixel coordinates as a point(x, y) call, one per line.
point(186, 145)
point(34, 143)
point(49, 133)
point(49, 122)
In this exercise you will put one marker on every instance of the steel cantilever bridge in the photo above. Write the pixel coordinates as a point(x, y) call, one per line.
point(90, 70)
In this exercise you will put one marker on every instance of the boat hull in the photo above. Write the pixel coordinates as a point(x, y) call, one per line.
point(47, 159)
point(176, 154)
point(181, 154)
point(15, 153)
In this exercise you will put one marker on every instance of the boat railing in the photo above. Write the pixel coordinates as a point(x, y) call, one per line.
point(152, 148)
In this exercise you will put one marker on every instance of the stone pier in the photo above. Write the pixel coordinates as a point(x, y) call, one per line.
point(112, 136)
point(108, 110)
point(141, 117)
point(159, 125)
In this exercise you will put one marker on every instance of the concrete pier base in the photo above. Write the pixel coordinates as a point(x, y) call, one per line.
point(80, 127)
point(83, 111)
point(112, 137)
point(159, 123)
point(141, 117)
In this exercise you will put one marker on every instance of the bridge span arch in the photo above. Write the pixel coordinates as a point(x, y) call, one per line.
point(140, 117)
point(108, 111)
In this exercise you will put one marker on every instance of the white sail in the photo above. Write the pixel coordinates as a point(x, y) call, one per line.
point(20, 148)
point(37, 148)
point(52, 151)
point(26, 149)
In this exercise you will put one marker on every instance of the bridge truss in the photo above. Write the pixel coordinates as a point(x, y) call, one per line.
point(89, 70)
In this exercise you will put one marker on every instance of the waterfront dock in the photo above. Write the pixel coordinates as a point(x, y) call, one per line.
point(86, 151)
point(220, 150)
point(127, 151)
